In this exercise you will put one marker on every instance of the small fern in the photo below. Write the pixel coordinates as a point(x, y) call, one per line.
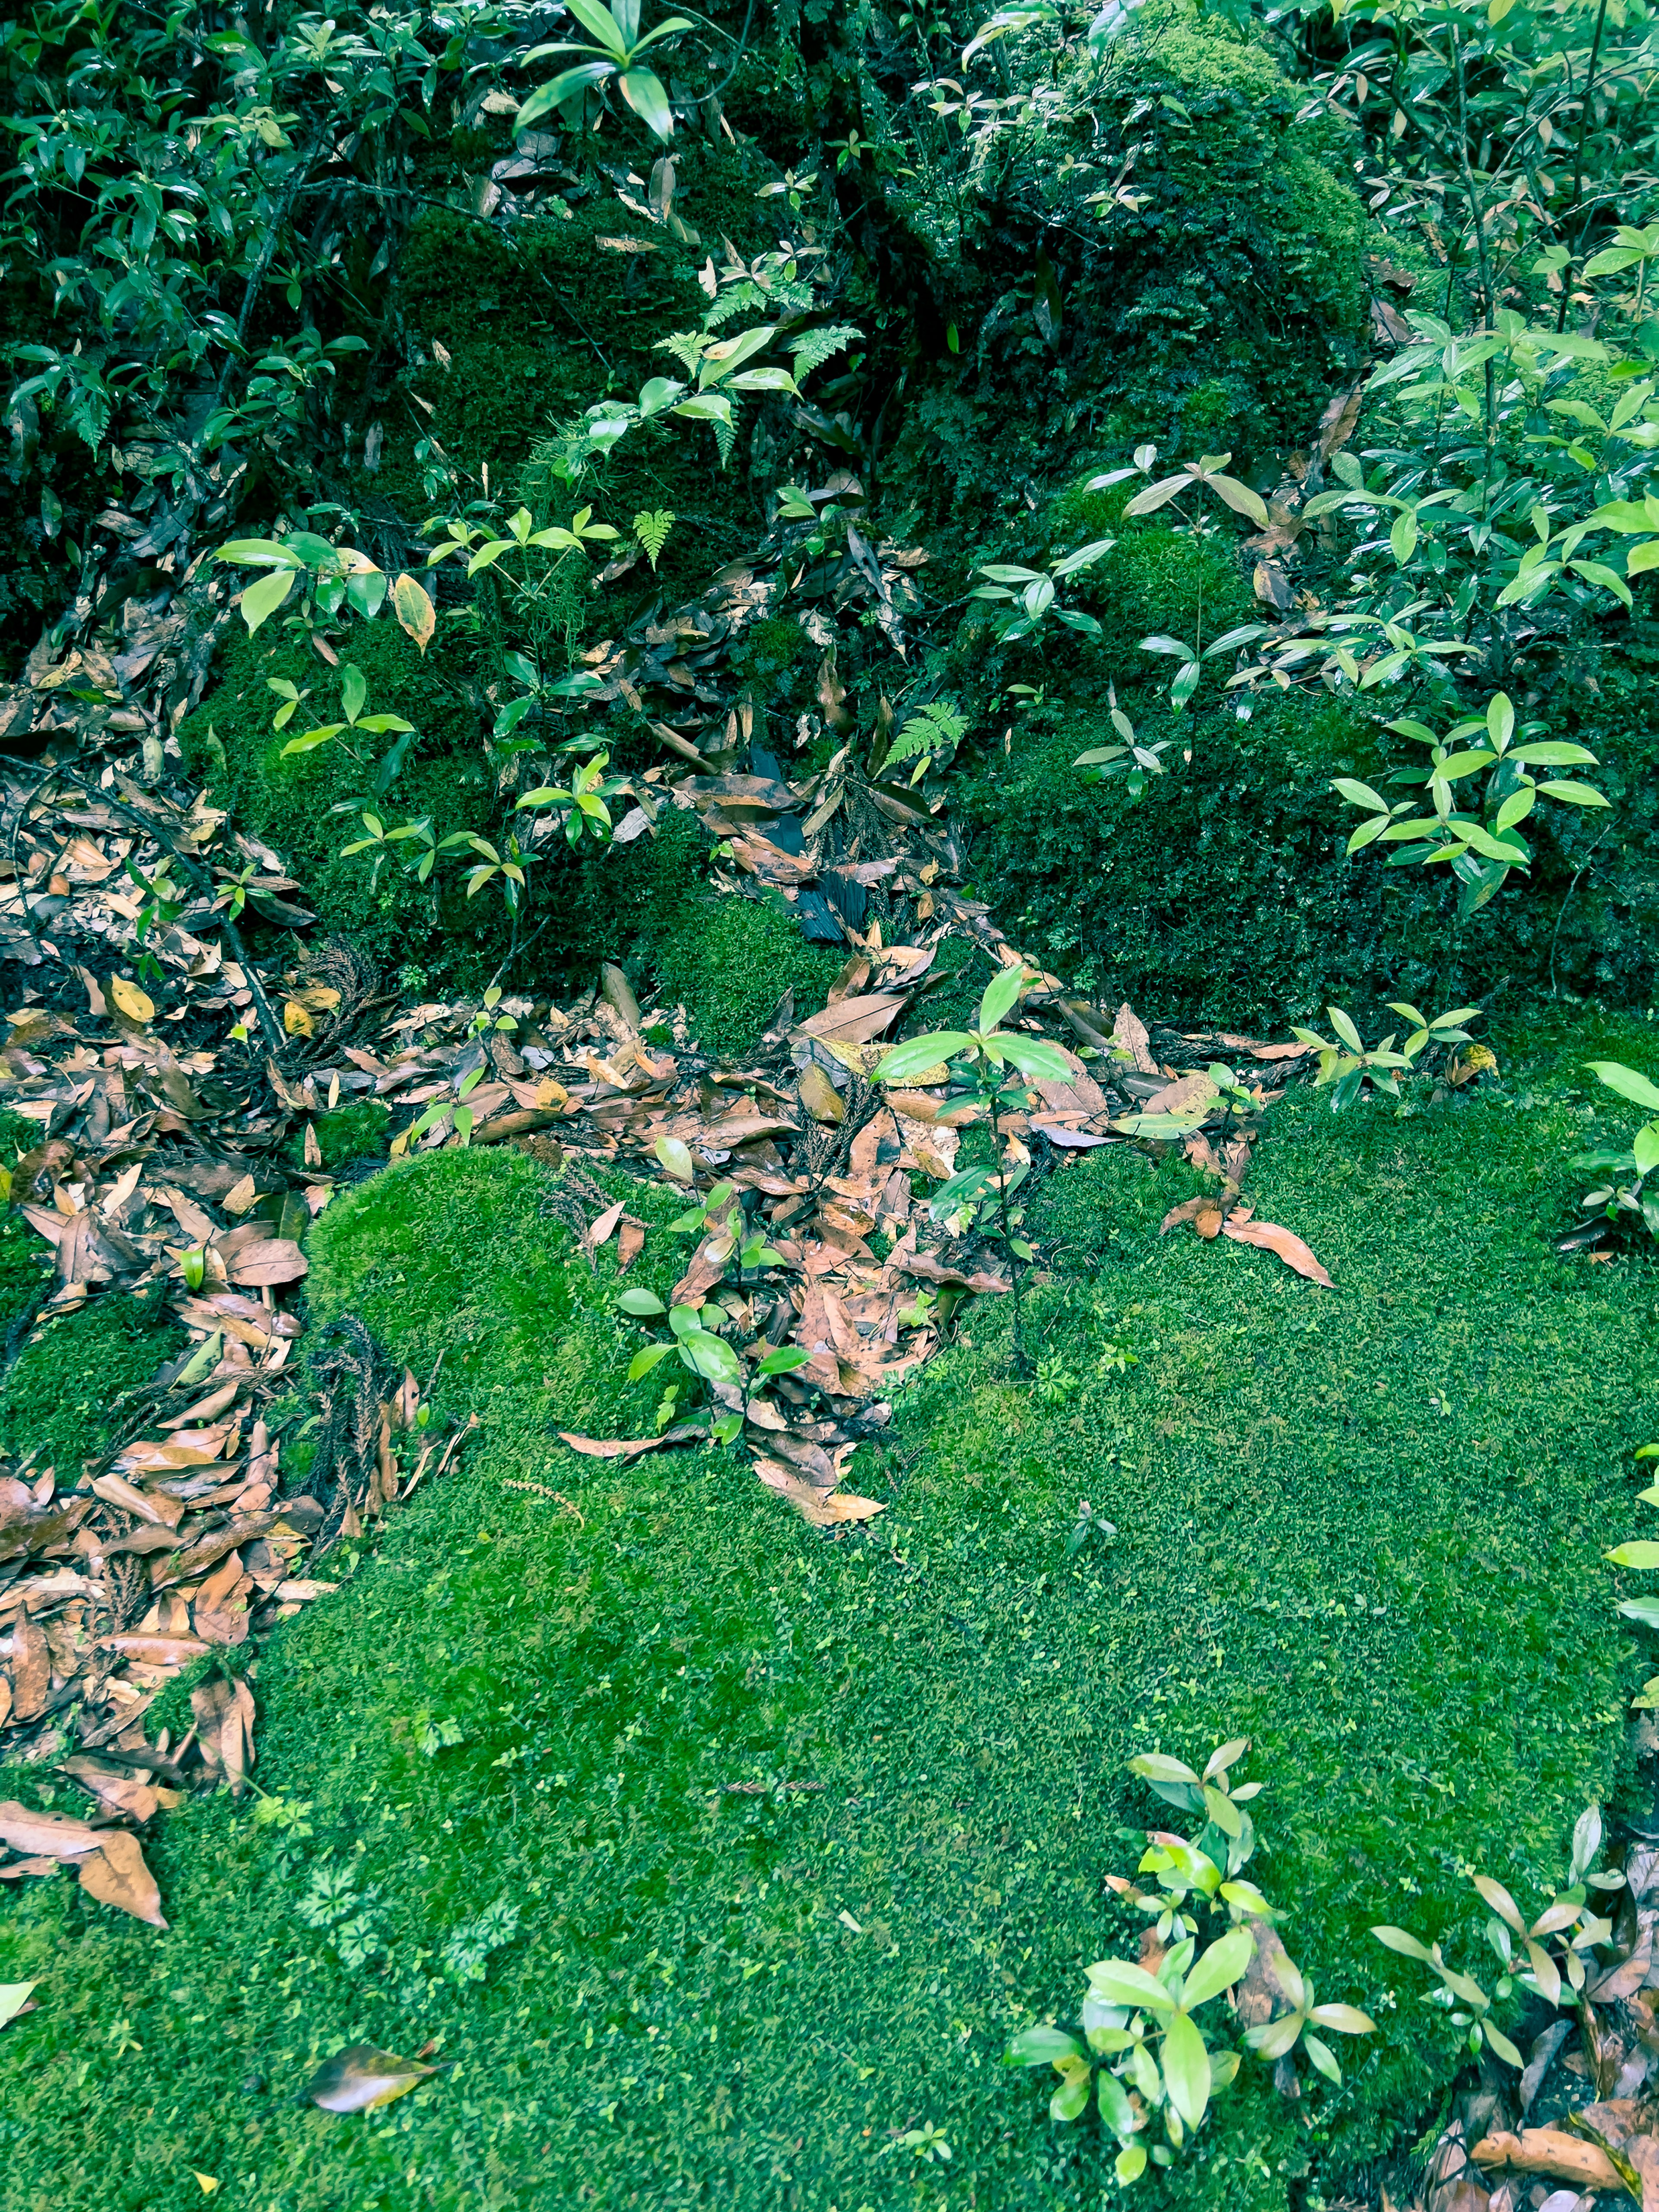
point(651, 530)
point(814, 347)
point(934, 728)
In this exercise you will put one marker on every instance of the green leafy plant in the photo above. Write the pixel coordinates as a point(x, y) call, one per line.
point(1347, 1065)
point(1143, 2050)
point(1030, 594)
point(354, 697)
point(1131, 760)
point(616, 44)
point(932, 733)
point(1625, 1200)
point(1481, 849)
point(467, 1951)
point(981, 1193)
point(1549, 1957)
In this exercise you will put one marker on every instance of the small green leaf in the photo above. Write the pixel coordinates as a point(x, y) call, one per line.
point(642, 1302)
point(784, 1360)
point(643, 1362)
point(1041, 2046)
point(674, 1155)
point(1001, 994)
point(908, 1061)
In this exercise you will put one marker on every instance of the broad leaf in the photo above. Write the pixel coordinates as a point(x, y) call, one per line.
point(1186, 2068)
point(1119, 1983)
point(917, 1054)
point(1627, 1082)
point(261, 600)
point(1222, 1964)
point(643, 91)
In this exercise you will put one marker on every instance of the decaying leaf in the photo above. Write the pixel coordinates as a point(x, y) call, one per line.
point(825, 1509)
point(115, 1873)
point(361, 2077)
point(631, 1447)
point(1284, 1241)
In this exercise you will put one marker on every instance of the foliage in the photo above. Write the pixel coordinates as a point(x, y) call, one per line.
point(1034, 599)
point(1130, 2005)
point(1481, 852)
point(980, 1056)
point(1349, 1067)
point(615, 41)
point(1556, 1946)
point(1625, 1200)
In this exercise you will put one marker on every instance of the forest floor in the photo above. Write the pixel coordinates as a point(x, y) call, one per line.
point(712, 1854)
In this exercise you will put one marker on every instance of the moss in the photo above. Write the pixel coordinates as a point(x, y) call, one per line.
point(1310, 1551)
point(24, 1269)
point(1227, 891)
point(730, 960)
point(64, 1398)
point(355, 1130)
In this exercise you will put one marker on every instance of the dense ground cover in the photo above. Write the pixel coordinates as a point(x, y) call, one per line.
point(1363, 1527)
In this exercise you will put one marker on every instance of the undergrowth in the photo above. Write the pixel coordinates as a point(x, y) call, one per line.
point(1362, 1527)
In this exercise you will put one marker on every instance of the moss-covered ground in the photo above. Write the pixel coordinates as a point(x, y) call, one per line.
point(1362, 1527)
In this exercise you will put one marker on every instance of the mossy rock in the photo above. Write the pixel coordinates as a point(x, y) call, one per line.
point(1211, 307)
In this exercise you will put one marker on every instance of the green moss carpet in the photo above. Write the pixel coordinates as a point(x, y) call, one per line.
point(714, 1853)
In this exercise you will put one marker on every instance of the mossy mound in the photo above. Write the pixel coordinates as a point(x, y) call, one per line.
point(1227, 892)
point(1160, 246)
point(542, 1688)
point(64, 1397)
point(730, 960)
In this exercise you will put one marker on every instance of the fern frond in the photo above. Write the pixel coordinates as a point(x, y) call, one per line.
point(813, 348)
point(929, 730)
point(652, 528)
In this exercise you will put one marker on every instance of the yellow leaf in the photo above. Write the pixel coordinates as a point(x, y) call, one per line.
point(414, 610)
point(135, 1003)
point(295, 1020)
point(207, 2184)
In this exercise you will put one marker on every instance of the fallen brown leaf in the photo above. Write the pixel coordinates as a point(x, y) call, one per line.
point(631, 1447)
point(1284, 1241)
point(1551, 2151)
point(115, 1873)
point(825, 1509)
point(54, 1835)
